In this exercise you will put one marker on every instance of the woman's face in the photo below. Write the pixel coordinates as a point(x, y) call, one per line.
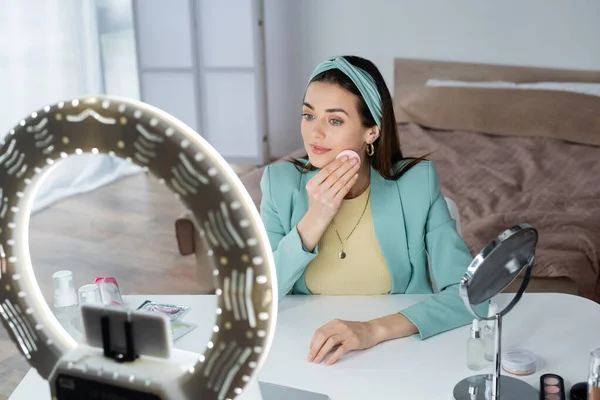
point(331, 123)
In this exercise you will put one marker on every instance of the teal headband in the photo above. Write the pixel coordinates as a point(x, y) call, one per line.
point(361, 78)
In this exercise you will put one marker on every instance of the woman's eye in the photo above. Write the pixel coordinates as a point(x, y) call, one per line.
point(335, 122)
point(307, 117)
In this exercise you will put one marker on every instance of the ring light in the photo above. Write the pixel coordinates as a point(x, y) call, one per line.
point(222, 210)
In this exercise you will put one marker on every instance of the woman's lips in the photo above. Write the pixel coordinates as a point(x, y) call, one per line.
point(318, 149)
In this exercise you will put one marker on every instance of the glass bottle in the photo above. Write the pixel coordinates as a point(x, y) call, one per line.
point(489, 334)
point(594, 376)
point(66, 305)
point(475, 348)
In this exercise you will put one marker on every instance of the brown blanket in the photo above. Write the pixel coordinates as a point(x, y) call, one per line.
point(500, 181)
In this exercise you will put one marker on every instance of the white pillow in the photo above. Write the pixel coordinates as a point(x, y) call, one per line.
point(592, 89)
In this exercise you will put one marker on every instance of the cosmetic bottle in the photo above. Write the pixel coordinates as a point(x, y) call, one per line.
point(475, 349)
point(488, 333)
point(66, 305)
point(594, 376)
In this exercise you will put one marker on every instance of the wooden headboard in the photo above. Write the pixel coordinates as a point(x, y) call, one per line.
point(412, 72)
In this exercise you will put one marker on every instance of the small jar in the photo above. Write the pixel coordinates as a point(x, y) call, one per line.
point(519, 362)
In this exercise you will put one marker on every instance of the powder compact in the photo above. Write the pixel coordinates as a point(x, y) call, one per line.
point(519, 362)
point(552, 387)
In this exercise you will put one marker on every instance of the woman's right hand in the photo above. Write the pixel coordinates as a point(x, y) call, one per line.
point(328, 187)
point(326, 190)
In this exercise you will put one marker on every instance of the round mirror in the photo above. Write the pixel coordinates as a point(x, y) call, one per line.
point(498, 264)
point(490, 272)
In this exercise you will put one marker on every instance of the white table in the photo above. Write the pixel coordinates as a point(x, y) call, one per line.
point(560, 329)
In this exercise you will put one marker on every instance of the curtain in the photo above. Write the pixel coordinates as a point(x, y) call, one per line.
point(50, 50)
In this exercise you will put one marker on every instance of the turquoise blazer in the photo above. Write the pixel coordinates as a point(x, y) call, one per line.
point(412, 222)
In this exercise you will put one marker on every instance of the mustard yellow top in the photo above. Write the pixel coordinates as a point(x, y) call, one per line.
point(364, 270)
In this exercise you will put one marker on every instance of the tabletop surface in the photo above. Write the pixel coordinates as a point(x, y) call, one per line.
point(561, 330)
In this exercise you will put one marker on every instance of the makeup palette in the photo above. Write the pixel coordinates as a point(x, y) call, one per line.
point(552, 387)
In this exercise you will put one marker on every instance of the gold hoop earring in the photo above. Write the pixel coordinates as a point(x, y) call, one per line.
point(370, 149)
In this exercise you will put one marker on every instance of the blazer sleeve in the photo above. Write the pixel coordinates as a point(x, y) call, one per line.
point(290, 254)
point(450, 257)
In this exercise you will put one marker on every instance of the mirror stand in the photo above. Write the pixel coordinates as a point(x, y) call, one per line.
point(487, 386)
point(490, 272)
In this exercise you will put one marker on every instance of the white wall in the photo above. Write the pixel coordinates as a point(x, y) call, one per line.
point(300, 34)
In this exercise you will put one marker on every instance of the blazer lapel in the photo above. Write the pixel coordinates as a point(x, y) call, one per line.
point(388, 219)
point(300, 198)
point(299, 209)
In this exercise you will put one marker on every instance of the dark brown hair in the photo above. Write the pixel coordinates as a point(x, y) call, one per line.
point(387, 159)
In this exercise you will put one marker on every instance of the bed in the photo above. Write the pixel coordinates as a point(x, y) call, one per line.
point(81, 174)
point(508, 153)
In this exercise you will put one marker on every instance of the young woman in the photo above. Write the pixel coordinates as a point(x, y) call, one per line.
point(341, 227)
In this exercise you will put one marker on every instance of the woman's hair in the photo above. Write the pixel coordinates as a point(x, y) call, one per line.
point(387, 154)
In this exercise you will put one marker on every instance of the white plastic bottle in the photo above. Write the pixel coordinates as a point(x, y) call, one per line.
point(475, 349)
point(488, 334)
point(66, 305)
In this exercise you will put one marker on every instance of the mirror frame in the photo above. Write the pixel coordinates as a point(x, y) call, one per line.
point(480, 259)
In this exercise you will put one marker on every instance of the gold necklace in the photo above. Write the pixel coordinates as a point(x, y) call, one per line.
point(342, 253)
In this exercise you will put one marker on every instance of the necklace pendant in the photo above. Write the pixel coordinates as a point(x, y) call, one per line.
point(342, 255)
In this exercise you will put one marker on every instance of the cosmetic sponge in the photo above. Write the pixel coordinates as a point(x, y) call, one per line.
point(350, 154)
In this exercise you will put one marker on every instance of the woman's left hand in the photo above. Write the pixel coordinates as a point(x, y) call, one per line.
point(340, 337)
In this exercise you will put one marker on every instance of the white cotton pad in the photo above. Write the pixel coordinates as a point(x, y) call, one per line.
point(350, 154)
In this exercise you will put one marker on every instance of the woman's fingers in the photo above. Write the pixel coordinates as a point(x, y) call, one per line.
point(337, 354)
point(327, 339)
point(339, 196)
point(343, 186)
point(336, 176)
point(338, 181)
point(336, 338)
point(324, 187)
point(319, 338)
point(329, 344)
point(323, 174)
